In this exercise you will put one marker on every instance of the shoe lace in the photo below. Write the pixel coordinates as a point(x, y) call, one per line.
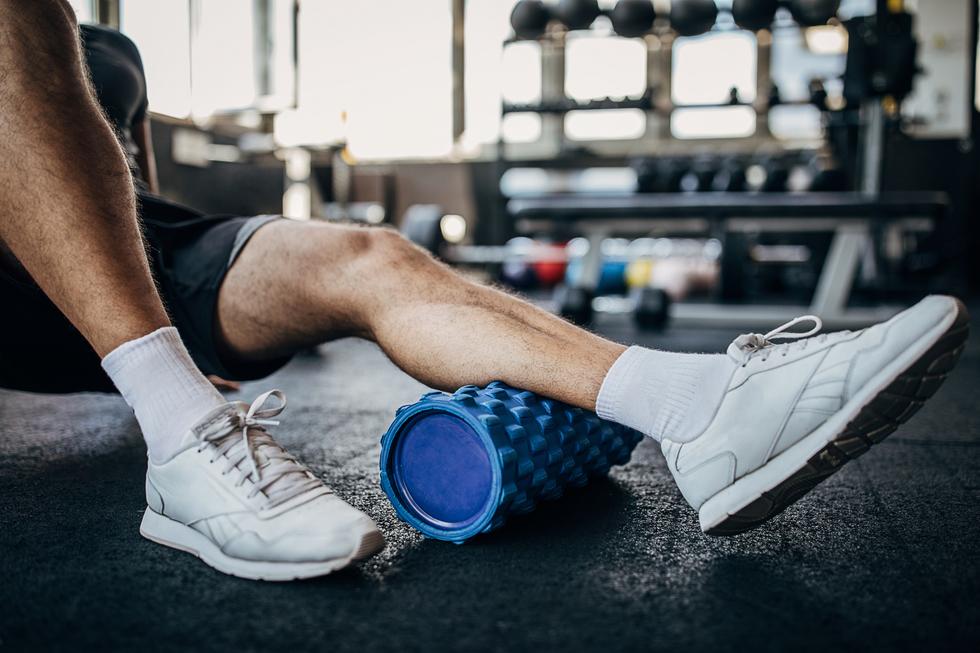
point(749, 345)
point(272, 470)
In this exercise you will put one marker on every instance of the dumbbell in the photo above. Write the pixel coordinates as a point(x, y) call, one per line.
point(754, 15)
point(529, 263)
point(529, 18)
point(422, 224)
point(651, 307)
point(577, 14)
point(692, 17)
point(454, 466)
point(632, 18)
point(574, 303)
point(700, 177)
point(612, 275)
point(769, 175)
point(660, 175)
point(809, 13)
point(518, 274)
point(730, 177)
point(827, 175)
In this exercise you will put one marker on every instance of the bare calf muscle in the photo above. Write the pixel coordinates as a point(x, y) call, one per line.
point(299, 284)
point(68, 213)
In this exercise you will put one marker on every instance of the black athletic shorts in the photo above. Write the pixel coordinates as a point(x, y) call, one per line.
point(40, 350)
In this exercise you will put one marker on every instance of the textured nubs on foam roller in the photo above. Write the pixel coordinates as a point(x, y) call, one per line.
point(457, 465)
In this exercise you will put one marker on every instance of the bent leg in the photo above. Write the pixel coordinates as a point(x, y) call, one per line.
point(297, 284)
point(68, 212)
point(68, 217)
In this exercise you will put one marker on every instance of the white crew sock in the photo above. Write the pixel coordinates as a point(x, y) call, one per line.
point(665, 394)
point(158, 379)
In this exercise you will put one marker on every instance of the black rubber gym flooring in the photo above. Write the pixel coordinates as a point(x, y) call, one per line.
point(882, 556)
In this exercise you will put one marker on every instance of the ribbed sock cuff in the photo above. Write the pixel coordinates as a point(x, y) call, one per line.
point(664, 394)
point(158, 379)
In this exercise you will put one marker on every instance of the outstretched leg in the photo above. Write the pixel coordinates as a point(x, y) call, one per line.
point(768, 422)
point(297, 284)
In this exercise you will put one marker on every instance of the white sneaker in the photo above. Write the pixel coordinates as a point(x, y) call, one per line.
point(236, 499)
point(795, 413)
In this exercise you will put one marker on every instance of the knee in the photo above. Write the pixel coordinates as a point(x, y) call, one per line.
point(359, 254)
point(385, 249)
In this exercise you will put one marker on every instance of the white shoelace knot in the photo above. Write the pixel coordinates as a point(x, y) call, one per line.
point(272, 469)
point(748, 345)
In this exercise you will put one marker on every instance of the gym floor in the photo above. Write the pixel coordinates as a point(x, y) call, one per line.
point(881, 556)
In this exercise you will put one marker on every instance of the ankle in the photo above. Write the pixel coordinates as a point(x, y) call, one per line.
point(666, 395)
point(168, 394)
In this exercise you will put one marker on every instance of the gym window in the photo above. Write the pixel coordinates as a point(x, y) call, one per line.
point(705, 69)
point(605, 124)
point(521, 73)
point(376, 74)
point(601, 67)
point(521, 127)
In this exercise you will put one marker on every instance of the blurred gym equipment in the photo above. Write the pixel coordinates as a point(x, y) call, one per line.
point(577, 14)
point(693, 17)
point(813, 12)
point(759, 195)
point(754, 15)
point(529, 18)
point(632, 18)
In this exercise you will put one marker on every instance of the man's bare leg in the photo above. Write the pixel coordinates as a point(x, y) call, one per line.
point(68, 212)
point(68, 216)
point(297, 284)
point(68, 220)
point(762, 424)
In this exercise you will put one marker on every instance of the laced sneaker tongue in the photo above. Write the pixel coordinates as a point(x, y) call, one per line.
point(281, 477)
point(744, 345)
point(220, 416)
point(747, 344)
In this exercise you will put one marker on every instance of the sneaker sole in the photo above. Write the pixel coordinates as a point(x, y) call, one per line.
point(761, 495)
point(163, 530)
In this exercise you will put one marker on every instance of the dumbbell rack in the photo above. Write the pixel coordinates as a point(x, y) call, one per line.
point(851, 217)
point(655, 101)
point(848, 215)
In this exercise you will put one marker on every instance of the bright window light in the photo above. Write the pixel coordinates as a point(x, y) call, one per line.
point(826, 39)
point(222, 57)
point(795, 121)
point(705, 68)
point(384, 64)
point(713, 122)
point(161, 31)
point(794, 64)
point(521, 73)
point(604, 67)
point(487, 25)
point(521, 127)
point(524, 181)
point(83, 10)
point(605, 124)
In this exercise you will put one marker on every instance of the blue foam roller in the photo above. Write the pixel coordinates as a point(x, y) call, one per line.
point(454, 466)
